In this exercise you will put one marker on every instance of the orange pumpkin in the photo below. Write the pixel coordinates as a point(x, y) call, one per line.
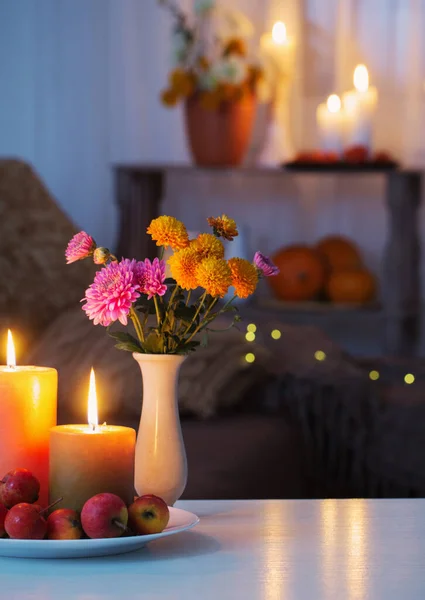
point(302, 274)
point(339, 253)
point(357, 287)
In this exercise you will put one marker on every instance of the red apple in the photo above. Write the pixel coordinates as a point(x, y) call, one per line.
point(148, 514)
point(24, 522)
point(104, 516)
point(64, 524)
point(356, 155)
point(3, 514)
point(19, 486)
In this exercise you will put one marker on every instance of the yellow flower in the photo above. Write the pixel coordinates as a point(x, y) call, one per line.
point(207, 245)
point(183, 266)
point(214, 275)
point(244, 277)
point(223, 227)
point(235, 46)
point(182, 82)
point(168, 231)
point(169, 98)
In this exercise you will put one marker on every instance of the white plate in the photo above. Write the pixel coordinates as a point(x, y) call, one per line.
point(180, 520)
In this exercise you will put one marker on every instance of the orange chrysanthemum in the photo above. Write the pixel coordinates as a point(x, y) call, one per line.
point(223, 227)
point(214, 275)
point(169, 98)
point(169, 231)
point(183, 265)
point(244, 277)
point(182, 82)
point(235, 46)
point(207, 245)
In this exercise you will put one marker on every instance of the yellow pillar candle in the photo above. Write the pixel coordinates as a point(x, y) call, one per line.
point(86, 460)
point(28, 399)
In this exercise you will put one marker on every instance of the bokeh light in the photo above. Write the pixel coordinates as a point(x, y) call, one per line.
point(276, 334)
point(250, 336)
point(250, 357)
point(319, 355)
point(409, 378)
point(252, 328)
point(374, 375)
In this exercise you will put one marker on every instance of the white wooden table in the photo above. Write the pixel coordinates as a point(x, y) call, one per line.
point(242, 550)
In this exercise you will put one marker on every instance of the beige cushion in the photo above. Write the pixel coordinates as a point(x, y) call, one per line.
point(35, 282)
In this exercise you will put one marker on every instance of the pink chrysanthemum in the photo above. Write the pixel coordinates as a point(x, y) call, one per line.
point(151, 278)
point(265, 265)
point(110, 296)
point(81, 246)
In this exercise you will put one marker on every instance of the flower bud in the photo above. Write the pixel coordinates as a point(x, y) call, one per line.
point(101, 256)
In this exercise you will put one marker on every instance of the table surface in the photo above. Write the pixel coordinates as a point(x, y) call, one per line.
point(271, 550)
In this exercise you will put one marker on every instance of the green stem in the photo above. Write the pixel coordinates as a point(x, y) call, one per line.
point(137, 326)
point(188, 297)
point(158, 315)
point(198, 310)
point(204, 320)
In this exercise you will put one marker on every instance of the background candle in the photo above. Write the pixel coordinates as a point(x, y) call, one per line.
point(86, 460)
point(360, 106)
point(330, 125)
point(28, 398)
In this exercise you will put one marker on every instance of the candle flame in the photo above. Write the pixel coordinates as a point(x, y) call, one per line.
point(361, 78)
point(333, 103)
point(11, 357)
point(92, 402)
point(279, 33)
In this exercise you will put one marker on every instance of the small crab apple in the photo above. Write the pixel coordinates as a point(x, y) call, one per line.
point(3, 515)
point(24, 522)
point(148, 514)
point(17, 486)
point(64, 524)
point(104, 516)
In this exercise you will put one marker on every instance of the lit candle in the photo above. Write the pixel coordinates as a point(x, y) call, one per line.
point(330, 124)
point(28, 397)
point(278, 52)
point(360, 105)
point(86, 460)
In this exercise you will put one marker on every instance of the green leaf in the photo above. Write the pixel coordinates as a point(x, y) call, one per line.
point(185, 313)
point(125, 338)
point(144, 305)
point(129, 347)
point(154, 343)
point(170, 281)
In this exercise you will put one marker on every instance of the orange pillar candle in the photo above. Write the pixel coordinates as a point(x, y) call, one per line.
point(86, 460)
point(28, 399)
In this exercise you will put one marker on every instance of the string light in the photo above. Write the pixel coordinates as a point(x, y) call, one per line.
point(320, 355)
point(250, 336)
point(250, 357)
point(252, 328)
point(409, 378)
point(276, 334)
point(374, 375)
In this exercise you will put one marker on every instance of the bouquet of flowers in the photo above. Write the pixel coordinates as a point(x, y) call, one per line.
point(210, 55)
point(167, 315)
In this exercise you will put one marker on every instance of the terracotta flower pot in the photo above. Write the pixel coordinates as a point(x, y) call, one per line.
point(219, 138)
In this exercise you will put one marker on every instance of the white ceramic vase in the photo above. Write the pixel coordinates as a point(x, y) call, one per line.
point(161, 465)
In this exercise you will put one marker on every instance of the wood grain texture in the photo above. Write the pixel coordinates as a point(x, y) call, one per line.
point(265, 550)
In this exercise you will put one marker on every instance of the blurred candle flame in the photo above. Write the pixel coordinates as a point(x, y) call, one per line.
point(333, 103)
point(361, 78)
point(11, 357)
point(92, 403)
point(279, 33)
